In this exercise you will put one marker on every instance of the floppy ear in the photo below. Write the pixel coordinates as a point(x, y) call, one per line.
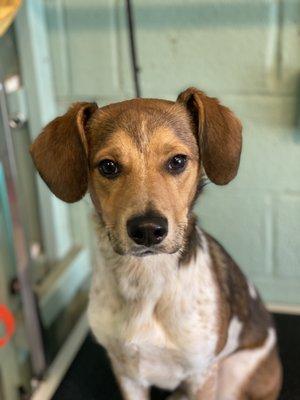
point(60, 153)
point(219, 134)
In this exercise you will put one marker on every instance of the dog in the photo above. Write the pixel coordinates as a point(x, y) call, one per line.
point(167, 302)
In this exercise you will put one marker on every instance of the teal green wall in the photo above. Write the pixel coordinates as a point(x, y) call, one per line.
point(244, 52)
point(88, 42)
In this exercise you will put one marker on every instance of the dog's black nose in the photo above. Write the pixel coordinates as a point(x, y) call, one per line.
point(147, 230)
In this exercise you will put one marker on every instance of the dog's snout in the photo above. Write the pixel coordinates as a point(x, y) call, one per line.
point(147, 230)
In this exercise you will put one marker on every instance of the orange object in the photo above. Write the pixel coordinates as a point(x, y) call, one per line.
point(8, 11)
point(8, 320)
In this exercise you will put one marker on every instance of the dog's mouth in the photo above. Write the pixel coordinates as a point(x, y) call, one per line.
point(152, 251)
point(145, 252)
point(137, 252)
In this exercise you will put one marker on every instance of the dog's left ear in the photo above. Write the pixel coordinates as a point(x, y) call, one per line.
point(219, 134)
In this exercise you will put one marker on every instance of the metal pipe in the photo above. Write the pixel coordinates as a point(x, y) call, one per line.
point(22, 254)
point(133, 51)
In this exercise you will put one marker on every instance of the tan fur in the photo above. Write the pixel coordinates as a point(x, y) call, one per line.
point(265, 382)
point(185, 316)
point(209, 387)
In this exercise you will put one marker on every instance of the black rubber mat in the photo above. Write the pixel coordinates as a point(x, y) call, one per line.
point(90, 377)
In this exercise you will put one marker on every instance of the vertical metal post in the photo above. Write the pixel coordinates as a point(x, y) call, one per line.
point(22, 255)
point(35, 62)
point(133, 51)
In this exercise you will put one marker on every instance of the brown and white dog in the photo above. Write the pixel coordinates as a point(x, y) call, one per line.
point(167, 302)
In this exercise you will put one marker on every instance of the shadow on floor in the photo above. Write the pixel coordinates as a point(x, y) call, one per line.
point(90, 378)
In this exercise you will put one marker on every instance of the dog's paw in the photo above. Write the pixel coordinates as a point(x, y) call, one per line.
point(177, 396)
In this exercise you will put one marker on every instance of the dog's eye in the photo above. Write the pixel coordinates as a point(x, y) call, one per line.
point(177, 164)
point(109, 168)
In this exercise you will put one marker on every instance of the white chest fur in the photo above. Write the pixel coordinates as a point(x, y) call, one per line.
point(157, 321)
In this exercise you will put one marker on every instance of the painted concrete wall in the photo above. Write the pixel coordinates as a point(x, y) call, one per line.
point(244, 52)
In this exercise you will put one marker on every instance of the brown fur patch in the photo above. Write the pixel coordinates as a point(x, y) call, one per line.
point(235, 300)
point(139, 118)
point(192, 242)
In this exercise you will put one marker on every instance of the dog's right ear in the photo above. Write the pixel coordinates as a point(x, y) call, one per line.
point(60, 153)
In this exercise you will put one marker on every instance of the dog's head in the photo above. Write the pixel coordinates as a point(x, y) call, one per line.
point(142, 162)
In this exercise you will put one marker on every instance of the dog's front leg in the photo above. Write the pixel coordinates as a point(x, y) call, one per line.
point(205, 387)
point(132, 390)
